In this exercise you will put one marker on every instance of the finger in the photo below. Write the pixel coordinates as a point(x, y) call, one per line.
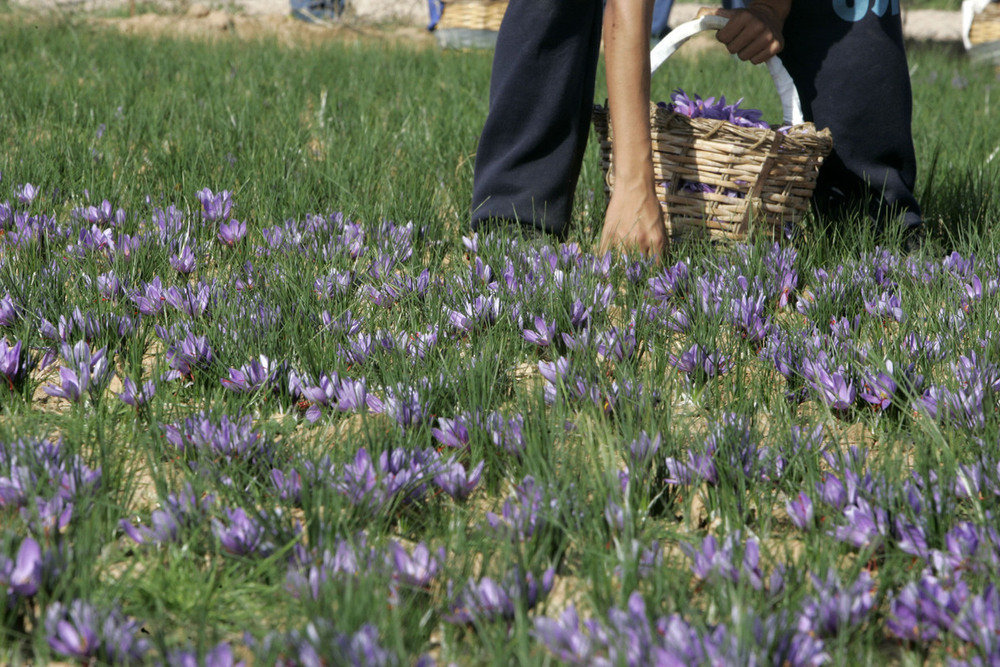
point(760, 49)
point(738, 33)
point(727, 32)
point(708, 11)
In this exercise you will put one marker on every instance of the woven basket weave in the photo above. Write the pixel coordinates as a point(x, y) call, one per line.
point(759, 179)
point(473, 14)
point(986, 25)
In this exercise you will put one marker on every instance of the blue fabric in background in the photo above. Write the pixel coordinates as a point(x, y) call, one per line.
point(661, 18)
point(434, 7)
point(317, 10)
point(661, 15)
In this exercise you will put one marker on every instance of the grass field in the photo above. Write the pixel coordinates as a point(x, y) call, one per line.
point(345, 434)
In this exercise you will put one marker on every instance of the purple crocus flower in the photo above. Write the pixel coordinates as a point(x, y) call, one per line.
point(135, 396)
point(23, 576)
point(80, 632)
point(322, 644)
point(835, 388)
point(48, 517)
point(672, 282)
point(643, 450)
point(184, 261)
point(151, 298)
point(911, 538)
point(543, 333)
point(109, 286)
point(14, 365)
point(192, 300)
point(403, 403)
point(712, 559)
point(865, 525)
point(699, 364)
point(180, 510)
point(360, 481)
point(480, 311)
point(26, 193)
point(417, 569)
point(800, 511)
point(242, 534)
point(565, 638)
point(220, 656)
point(579, 315)
point(878, 391)
point(456, 481)
point(555, 372)
point(186, 355)
point(71, 386)
point(232, 232)
point(451, 432)
point(9, 311)
point(215, 206)
point(352, 395)
point(748, 315)
point(832, 492)
point(73, 631)
point(224, 440)
point(616, 344)
point(487, 600)
point(834, 607)
point(523, 513)
point(251, 377)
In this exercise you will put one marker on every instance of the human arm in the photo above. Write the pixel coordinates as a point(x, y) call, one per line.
point(634, 219)
point(755, 33)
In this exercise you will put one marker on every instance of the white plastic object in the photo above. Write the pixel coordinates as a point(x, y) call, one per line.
point(790, 104)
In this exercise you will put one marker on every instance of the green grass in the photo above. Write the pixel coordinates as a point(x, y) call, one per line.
point(387, 132)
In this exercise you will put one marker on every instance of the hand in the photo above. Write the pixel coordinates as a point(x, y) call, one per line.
point(634, 220)
point(754, 34)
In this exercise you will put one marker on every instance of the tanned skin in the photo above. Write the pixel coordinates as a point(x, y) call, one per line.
point(634, 220)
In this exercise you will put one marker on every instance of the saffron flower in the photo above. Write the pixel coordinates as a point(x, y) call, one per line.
point(252, 377)
point(23, 576)
point(15, 365)
point(231, 232)
point(135, 396)
point(215, 206)
point(543, 333)
point(26, 193)
point(456, 481)
point(242, 534)
point(184, 261)
point(487, 600)
point(80, 632)
point(417, 569)
point(681, 103)
point(699, 364)
point(800, 511)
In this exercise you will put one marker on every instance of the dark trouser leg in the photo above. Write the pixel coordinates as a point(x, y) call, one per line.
point(541, 99)
point(661, 18)
point(850, 68)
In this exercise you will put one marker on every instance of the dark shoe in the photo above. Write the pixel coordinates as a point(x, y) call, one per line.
point(914, 241)
point(513, 229)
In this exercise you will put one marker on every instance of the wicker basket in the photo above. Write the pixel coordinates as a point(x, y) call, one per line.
point(986, 25)
point(470, 24)
point(473, 14)
point(984, 36)
point(759, 179)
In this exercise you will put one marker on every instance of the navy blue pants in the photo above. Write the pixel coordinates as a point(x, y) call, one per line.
point(848, 64)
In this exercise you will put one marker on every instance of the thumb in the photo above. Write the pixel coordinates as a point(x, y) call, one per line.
point(708, 11)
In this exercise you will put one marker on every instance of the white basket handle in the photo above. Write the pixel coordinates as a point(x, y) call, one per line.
point(790, 104)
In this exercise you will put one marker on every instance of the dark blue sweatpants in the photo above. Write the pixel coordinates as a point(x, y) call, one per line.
point(846, 57)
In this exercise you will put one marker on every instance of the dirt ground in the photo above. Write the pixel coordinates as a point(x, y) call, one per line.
point(202, 22)
point(250, 19)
